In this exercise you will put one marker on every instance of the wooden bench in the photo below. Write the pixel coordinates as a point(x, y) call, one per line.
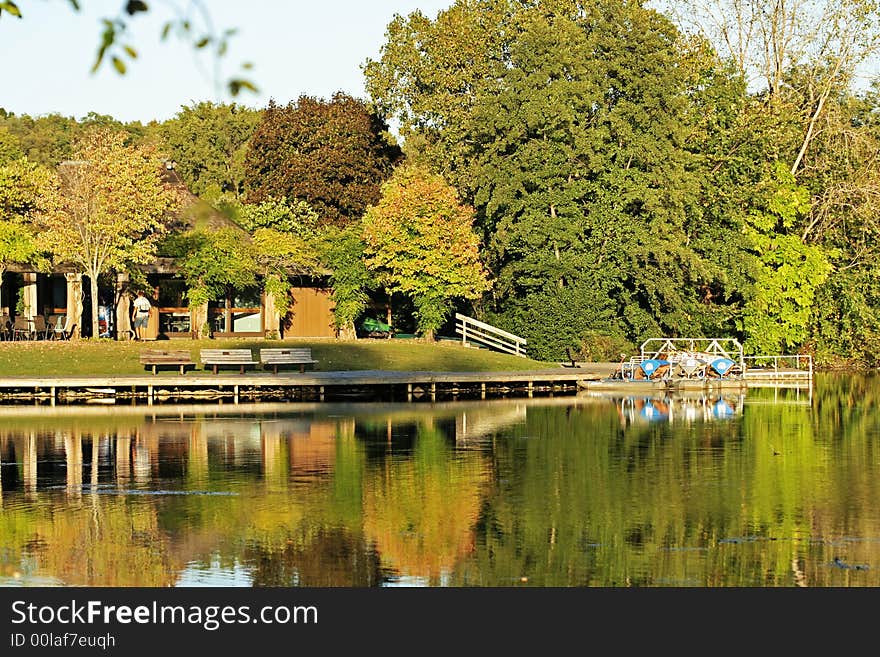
point(301, 356)
point(216, 358)
point(156, 357)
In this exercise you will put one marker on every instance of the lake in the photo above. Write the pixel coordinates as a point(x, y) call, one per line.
point(779, 487)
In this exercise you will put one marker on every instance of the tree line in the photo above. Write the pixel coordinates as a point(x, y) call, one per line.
point(586, 175)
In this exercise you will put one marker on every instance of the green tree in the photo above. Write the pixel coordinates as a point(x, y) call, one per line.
point(10, 148)
point(209, 141)
point(114, 208)
point(28, 194)
point(332, 154)
point(777, 316)
point(419, 239)
point(570, 136)
point(341, 252)
point(46, 140)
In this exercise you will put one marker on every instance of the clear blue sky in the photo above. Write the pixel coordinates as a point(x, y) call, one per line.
point(297, 47)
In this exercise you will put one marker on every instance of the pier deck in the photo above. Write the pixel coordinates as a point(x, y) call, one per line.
point(342, 385)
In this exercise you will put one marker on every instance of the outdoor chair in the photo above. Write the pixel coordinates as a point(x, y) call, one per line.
point(41, 328)
point(22, 328)
point(61, 330)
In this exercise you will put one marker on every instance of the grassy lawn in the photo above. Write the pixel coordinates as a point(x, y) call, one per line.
point(107, 357)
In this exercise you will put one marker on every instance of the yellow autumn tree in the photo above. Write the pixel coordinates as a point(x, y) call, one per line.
point(419, 238)
point(114, 208)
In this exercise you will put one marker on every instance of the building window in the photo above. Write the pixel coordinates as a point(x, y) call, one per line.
point(239, 313)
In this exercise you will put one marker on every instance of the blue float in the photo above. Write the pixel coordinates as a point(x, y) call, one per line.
point(651, 365)
point(722, 366)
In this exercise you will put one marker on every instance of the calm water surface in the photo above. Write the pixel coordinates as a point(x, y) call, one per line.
point(779, 487)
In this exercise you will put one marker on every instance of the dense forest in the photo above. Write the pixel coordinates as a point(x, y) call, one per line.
point(625, 173)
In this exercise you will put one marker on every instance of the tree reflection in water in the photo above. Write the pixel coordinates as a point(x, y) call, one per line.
point(771, 489)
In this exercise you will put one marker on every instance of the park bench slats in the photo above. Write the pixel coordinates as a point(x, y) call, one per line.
point(156, 357)
point(301, 356)
point(216, 358)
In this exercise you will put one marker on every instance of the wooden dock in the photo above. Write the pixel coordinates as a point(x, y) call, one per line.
point(380, 385)
point(373, 385)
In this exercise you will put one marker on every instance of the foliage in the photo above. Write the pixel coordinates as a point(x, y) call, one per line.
point(208, 142)
point(10, 148)
point(332, 154)
point(281, 255)
point(419, 239)
point(28, 194)
point(297, 217)
point(341, 251)
point(49, 139)
point(776, 318)
point(213, 261)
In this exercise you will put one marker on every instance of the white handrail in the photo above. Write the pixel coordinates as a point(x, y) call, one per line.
point(471, 329)
point(803, 364)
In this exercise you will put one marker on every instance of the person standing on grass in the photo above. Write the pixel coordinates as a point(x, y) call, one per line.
point(141, 315)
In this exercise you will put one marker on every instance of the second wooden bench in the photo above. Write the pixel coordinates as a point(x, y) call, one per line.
point(215, 358)
point(301, 356)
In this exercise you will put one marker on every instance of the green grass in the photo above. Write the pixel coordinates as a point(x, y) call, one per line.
point(109, 358)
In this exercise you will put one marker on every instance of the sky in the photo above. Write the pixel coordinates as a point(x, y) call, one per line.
point(312, 47)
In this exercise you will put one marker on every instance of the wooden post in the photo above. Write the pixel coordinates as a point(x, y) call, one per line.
point(74, 303)
point(433, 392)
point(482, 391)
point(123, 307)
point(321, 392)
point(531, 388)
point(29, 295)
point(409, 392)
point(149, 395)
point(235, 393)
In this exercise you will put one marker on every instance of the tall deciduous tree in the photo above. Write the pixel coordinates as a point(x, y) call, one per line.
point(420, 239)
point(332, 154)
point(114, 208)
point(208, 142)
point(28, 193)
point(570, 136)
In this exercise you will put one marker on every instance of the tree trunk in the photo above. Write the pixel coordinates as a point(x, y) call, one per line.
point(93, 286)
point(347, 331)
point(429, 335)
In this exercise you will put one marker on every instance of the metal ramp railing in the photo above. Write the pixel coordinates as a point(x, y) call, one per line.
point(782, 366)
point(472, 330)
